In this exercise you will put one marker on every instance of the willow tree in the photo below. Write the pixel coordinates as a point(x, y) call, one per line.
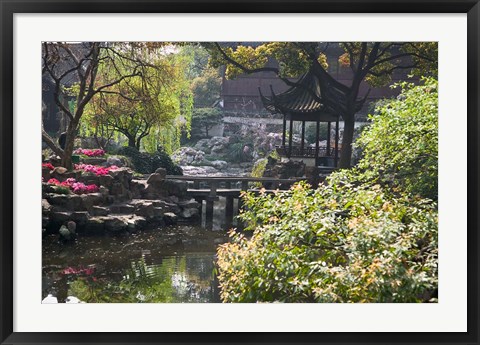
point(370, 62)
point(156, 102)
point(73, 70)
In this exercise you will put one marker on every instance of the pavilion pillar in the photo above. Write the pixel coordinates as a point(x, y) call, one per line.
point(336, 143)
point(284, 130)
point(317, 138)
point(302, 145)
point(290, 139)
point(329, 129)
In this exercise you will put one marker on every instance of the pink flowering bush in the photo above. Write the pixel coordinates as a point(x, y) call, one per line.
point(90, 153)
point(97, 170)
point(76, 187)
point(81, 188)
point(48, 165)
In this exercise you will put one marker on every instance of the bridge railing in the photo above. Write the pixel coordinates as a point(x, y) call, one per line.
point(233, 182)
point(210, 188)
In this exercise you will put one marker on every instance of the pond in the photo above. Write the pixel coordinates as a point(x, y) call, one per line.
point(171, 265)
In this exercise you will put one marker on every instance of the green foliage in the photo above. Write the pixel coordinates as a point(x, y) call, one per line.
point(206, 88)
point(400, 147)
point(237, 154)
point(259, 167)
point(334, 244)
point(146, 105)
point(311, 132)
point(368, 234)
point(206, 118)
point(147, 163)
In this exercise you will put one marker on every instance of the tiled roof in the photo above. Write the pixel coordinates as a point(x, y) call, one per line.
point(305, 97)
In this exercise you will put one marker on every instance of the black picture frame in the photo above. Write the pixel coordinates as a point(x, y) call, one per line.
point(9, 8)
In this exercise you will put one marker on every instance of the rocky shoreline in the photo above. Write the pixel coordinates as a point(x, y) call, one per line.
point(122, 204)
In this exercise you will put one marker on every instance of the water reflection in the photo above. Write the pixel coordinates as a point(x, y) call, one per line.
point(167, 265)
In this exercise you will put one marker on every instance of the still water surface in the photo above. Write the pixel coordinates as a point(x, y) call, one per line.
point(170, 265)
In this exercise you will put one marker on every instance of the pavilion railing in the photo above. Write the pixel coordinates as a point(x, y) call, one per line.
point(307, 152)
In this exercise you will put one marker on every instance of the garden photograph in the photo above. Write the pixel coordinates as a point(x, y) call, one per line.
point(239, 172)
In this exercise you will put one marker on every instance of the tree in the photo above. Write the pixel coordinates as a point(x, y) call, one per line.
point(371, 62)
point(206, 118)
point(78, 64)
point(135, 107)
point(206, 88)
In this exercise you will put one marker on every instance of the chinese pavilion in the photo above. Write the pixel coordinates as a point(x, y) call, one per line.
point(303, 102)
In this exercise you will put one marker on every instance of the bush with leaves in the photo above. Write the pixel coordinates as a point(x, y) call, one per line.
point(367, 235)
point(400, 147)
point(147, 163)
point(332, 244)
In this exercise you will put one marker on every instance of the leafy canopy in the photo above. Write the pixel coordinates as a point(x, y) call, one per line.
point(155, 104)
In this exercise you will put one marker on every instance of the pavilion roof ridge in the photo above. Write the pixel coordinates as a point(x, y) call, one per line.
point(304, 97)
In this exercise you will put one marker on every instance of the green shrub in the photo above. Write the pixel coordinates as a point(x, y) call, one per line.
point(332, 244)
point(400, 147)
point(237, 154)
point(147, 163)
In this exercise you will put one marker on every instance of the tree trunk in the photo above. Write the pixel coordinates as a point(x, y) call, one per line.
point(131, 142)
point(67, 152)
point(346, 154)
point(51, 143)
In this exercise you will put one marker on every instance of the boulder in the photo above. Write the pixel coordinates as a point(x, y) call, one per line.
point(167, 206)
point(170, 218)
point(80, 218)
point(106, 181)
point(137, 188)
point(161, 171)
point(189, 203)
point(94, 160)
point(60, 217)
point(89, 178)
point(122, 209)
point(46, 207)
point(115, 224)
point(72, 227)
point(145, 209)
point(61, 174)
point(116, 160)
point(69, 202)
point(91, 199)
point(45, 174)
point(220, 165)
point(95, 226)
point(121, 174)
point(65, 235)
point(136, 223)
point(189, 213)
point(99, 211)
point(156, 178)
point(166, 188)
point(188, 155)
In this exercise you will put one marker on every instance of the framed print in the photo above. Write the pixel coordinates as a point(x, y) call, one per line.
point(239, 172)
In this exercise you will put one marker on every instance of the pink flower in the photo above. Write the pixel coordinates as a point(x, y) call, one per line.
point(81, 188)
point(54, 181)
point(48, 165)
point(97, 170)
point(90, 153)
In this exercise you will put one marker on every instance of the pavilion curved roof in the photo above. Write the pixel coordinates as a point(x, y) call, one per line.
point(302, 101)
